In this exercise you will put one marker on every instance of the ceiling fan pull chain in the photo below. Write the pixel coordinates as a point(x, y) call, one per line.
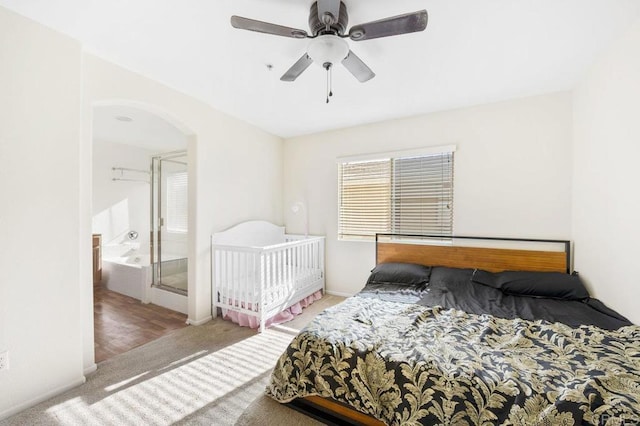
point(331, 81)
point(328, 67)
point(327, 84)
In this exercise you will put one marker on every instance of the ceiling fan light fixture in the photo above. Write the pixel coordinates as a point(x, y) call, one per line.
point(328, 49)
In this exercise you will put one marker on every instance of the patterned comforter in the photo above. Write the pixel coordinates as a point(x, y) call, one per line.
point(407, 364)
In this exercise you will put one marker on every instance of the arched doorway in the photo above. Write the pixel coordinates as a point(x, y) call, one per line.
point(140, 211)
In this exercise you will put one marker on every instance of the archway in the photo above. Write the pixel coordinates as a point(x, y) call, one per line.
point(141, 128)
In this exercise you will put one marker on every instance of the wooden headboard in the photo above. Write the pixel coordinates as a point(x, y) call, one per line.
point(469, 252)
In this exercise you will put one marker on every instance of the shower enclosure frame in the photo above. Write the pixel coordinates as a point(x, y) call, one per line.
point(157, 221)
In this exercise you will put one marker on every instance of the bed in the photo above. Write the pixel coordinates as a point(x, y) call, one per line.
point(258, 271)
point(468, 342)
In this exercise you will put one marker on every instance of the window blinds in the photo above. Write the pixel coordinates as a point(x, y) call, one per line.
point(177, 202)
point(422, 195)
point(364, 198)
point(409, 195)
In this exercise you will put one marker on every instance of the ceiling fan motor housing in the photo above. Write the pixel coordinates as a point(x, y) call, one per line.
point(317, 25)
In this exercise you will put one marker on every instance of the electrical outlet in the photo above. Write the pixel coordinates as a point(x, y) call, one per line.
point(4, 360)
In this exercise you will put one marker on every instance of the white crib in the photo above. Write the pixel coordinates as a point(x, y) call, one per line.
point(260, 271)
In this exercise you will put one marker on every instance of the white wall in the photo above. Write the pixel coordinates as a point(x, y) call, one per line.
point(120, 206)
point(512, 174)
point(606, 200)
point(48, 89)
point(40, 310)
point(235, 170)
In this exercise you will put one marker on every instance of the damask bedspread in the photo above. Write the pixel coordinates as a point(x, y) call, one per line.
point(408, 364)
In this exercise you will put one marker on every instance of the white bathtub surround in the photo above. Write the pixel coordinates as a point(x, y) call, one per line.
point(126, 269)
point(132, 280)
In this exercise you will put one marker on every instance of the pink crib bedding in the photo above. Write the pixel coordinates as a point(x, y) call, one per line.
point(288, 314)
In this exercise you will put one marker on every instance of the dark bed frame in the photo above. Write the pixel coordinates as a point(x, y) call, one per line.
point(436, 250)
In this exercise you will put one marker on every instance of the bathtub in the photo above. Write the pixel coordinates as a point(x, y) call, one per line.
point(126, 269)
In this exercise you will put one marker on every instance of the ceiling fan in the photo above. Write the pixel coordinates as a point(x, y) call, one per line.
point(328, 24)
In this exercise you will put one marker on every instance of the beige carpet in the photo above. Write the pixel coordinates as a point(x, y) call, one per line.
point(265, 411)
point(214, 374)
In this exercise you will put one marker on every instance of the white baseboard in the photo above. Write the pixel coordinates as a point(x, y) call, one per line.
point(338, 293)
point(21, 407)
point(90, 369)
point(200, 321)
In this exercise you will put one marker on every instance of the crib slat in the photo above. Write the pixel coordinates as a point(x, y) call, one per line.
point(231, 288)
point(247, 284)
point(305, 265)
point(290, 265)
point(244, 278)
point(256, 276)
point(263, 280)
point(217, 271)
point(238, 283)
point(228, 283)
point(222, 266)
point(270, 275)
point(233, 281)
point(274, 283)
point(297, 264)
point(271, 280)
point(283, 272)
point(223, 277)
point(245, 275)
point(265, 276)
point(277, 278)
point(314, 249)
point(279, 273)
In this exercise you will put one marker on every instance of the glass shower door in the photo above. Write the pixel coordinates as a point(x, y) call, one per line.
point(169, 222)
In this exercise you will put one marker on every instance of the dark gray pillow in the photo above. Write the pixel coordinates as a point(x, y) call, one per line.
point(552, 285)
point(486, 278)
point(400, 273)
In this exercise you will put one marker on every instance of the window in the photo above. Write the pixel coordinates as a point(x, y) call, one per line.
point(410, 193)
point(177, 202)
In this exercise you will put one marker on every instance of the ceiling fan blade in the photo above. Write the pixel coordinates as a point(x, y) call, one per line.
point(266, 27)
point(401, 24)
point(329, 9)
point(297, 68)
point(359, 69)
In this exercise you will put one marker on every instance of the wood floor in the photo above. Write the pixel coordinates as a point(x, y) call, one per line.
point(122, 323)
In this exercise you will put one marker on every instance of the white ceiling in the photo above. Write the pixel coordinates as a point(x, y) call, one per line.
point(472, 52)
point(144, 130)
